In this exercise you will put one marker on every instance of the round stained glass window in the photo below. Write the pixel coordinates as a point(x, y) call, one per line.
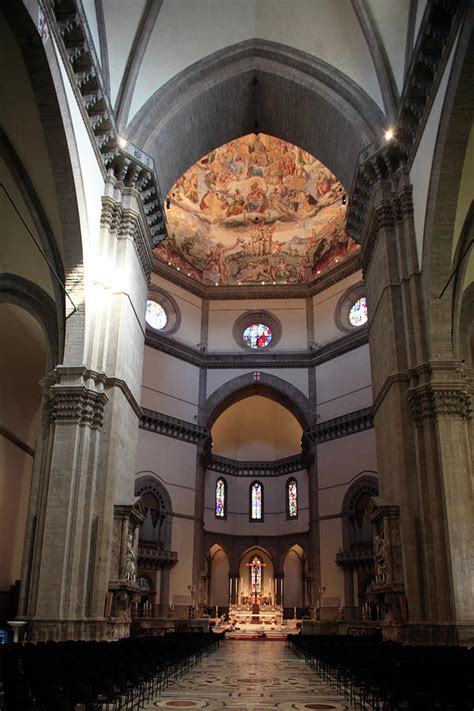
point(257, 335)
point(155, 315)
point(358, 312)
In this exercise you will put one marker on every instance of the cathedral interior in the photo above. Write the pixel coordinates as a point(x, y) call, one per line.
point(236, 307)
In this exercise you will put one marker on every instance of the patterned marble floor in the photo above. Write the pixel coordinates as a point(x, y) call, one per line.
point(250, 676)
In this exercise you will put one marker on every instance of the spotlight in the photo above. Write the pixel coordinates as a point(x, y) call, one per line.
point(344, 199)
point(122, 142)
point(389, 134)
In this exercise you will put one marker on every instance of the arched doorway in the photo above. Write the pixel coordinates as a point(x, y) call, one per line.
point(218, 562)
point(293, 569)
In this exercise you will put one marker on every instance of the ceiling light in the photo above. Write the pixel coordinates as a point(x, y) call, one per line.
point(389, 134)
point(178, 268)
point(263, 283)
point(122, 142)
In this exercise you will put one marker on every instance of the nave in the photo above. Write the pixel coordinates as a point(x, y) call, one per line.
point(250, 676)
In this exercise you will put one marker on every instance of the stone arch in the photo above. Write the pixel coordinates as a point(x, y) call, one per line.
point(148, 482)
point(268, 385)
point(51, 103)
point(257, 85)
point(445, 181)
point(363, 484)
point(15, 289)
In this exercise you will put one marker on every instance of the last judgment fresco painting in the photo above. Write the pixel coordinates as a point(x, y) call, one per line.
point(256, 210)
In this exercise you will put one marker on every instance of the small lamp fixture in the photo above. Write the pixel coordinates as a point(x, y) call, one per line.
point(389, 134)
point(122, 142)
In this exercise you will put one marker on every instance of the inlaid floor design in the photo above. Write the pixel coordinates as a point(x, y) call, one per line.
point(250, 676)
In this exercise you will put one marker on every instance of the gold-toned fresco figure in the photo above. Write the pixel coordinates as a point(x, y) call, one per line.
point(257, 208)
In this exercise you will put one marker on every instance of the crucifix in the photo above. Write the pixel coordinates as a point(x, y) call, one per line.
point(254, 566)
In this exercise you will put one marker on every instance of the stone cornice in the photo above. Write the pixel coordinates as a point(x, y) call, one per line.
point(326, 431)
point(426, 384)
point(428, 402)
point(127, 162)
point(279, 467)
point(173, 427)
point(304, 359)
point(257, 291)
point(342, 426)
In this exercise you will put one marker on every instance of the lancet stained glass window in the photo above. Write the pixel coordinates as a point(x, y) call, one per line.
point(155, 315)
point(292, 498)
point(257, 335)
point(358, 313)
point(256, 501)
point(255, 570)
point(220, 499)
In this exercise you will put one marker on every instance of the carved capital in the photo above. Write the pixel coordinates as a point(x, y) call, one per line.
point(76, 404)
point(427, 402)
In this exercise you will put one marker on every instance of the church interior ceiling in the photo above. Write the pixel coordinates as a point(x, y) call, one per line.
point(257, 209)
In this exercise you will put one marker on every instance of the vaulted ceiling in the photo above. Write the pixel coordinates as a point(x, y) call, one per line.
point(142, 44)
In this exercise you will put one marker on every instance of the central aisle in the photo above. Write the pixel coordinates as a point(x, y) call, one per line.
point(250, 676)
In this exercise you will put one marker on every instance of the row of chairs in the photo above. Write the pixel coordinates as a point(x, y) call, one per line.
point(96, 676)
point(388, 676)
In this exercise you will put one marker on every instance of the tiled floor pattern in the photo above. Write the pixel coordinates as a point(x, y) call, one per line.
point(250, 676)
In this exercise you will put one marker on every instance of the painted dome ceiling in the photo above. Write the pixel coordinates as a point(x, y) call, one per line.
point(257, 209)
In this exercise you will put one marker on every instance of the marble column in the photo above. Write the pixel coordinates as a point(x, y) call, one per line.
point(421, 413)
point(164, 590)
point(86, 451)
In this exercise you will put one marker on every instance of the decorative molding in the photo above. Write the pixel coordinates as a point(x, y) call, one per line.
point(127, 163)
point(304, 359)
point(256, 291)
point(428, 402)
point(76, 404)
point(343, 426)
point(173, 427)
point(279, 467)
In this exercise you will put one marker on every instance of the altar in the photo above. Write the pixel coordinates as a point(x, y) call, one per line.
point(255, 613)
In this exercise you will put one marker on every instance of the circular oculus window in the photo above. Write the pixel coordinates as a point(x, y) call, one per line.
point(351, 311)
point(358, 312)
point(257, 331)
point(155, 315)
point(257, 335)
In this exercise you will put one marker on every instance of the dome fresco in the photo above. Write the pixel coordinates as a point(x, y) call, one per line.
point(257, 209)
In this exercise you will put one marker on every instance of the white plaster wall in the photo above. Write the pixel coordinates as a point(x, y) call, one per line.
point(256, 429)
point(392, 22)
point(174, 462)
point(329, 30)
point(344, 384)
point(339, 463)
point(290, 312)
point(332, 577)
point(170, 386)
point(121, 21)
point(325, 308)
point(190, 307)
point(296, 376)
point(275, 521)
point(420, 173)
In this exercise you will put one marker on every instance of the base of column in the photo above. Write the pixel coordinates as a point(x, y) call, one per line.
point(425, 633)
point(59, 630)
point(416, 633)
